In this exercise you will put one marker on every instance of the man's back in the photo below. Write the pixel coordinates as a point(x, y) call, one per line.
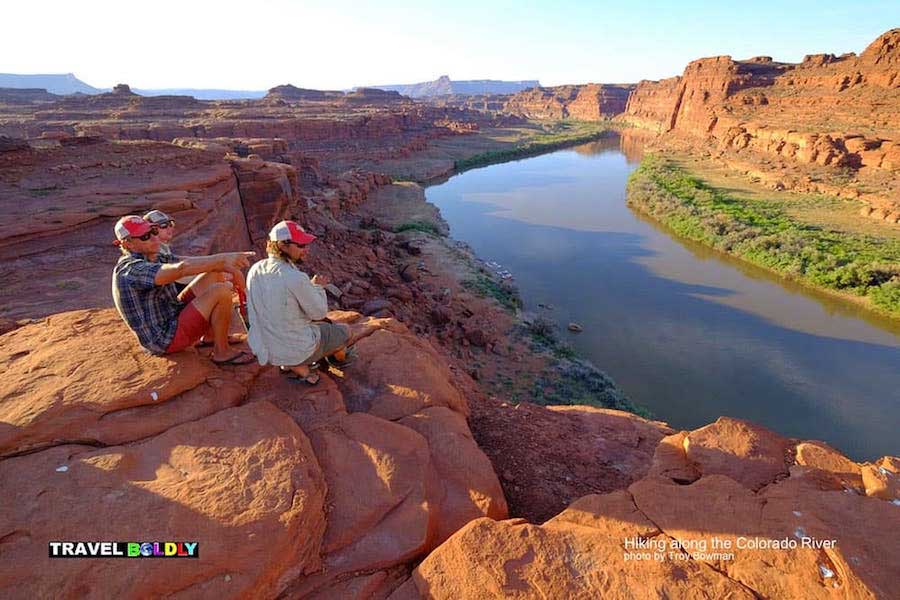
point(281, 305)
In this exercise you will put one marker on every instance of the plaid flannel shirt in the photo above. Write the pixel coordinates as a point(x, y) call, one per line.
point(150, 310)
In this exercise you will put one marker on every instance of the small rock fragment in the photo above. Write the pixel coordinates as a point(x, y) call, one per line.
point(826, 572)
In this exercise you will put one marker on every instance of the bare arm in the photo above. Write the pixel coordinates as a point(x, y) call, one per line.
point(229, 261)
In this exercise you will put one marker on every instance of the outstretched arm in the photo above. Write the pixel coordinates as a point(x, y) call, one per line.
point(229, 261)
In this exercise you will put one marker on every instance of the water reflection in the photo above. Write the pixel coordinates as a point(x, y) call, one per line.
point(682, 329)
point(628, 142)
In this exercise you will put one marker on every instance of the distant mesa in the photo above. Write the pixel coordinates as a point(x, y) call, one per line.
point(67, 84)
point(289, 92)
point(64, 83)
point(204, 94)
point(25, 95)
point(375, 95)
point(123, 89)
point(443, 86)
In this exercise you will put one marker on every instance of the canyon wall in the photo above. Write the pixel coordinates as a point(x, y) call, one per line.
point(839, 112)
point(589, 102)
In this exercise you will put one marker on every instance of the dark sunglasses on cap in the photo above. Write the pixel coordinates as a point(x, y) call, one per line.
point(165, 224)
point(146, 237)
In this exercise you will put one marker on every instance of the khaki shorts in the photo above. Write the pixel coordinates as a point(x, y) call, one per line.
point(333, 336)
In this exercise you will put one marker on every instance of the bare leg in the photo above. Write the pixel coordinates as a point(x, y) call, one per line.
point(215, 305)
point(354, 333)
point(300, 370)
point(305, 373)
point(200, 284)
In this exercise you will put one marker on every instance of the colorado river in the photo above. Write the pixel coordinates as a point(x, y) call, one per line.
point(687, 332)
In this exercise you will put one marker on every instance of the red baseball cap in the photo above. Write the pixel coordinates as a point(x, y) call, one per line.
point(290, 231)
point(131, 226)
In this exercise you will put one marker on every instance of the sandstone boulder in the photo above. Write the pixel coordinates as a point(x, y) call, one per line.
point(82, 377)
point(802, 535)
point(793, 510)
point(467, 487)
point(579, 554)
point(820, 455)
point(381, 488)
point(882, 479)
point(398, 375)
point(244, 483)
point(748, 453)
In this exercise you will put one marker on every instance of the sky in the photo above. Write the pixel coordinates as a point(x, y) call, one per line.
point(334, 44)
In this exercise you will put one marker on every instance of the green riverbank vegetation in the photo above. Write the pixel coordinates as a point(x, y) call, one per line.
point(761, 232)
point(554, 136)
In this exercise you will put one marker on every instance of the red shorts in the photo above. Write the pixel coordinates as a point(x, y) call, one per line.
point(191, 327)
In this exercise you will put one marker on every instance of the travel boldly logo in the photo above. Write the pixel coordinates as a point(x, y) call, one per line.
point(124, 549)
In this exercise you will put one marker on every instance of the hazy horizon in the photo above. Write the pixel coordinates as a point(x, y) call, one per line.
point(334, 45)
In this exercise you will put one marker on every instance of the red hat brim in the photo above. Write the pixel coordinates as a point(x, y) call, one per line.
point(303, 238)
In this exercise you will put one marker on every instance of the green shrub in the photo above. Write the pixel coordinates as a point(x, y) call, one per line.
point(423, 226)
point(760, 232)
point(488, 288)
point(558, 135)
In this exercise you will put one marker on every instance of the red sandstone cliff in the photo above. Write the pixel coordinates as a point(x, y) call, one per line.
point(589, 102)
point(831, 111)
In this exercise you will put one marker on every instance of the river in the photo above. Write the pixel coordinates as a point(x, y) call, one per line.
point(683, 330)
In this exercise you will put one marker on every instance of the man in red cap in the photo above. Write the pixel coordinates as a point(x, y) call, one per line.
point(286, 308)
point(164, 320)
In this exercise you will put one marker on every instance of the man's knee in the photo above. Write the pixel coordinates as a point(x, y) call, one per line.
point(221, 291)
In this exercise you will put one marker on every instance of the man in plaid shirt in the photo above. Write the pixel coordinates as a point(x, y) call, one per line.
point(164, 320)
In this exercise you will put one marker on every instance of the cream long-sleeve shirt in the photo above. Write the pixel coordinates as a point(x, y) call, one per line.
point(281, 304)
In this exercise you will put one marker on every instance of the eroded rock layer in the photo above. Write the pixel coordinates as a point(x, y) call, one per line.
point(765, 118)
point(589, 102)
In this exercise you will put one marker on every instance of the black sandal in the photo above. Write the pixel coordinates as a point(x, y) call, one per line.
point(241, 358)
point(311, 379)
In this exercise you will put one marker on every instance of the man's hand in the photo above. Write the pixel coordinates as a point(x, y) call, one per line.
point(320, 280)
point(236, 276)
point(237, 260)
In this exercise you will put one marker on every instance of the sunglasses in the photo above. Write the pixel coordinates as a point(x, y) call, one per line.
point(146, 237)
point(166, 225)
point(293, 243)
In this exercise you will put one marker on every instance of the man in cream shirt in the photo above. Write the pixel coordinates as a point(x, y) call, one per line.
point(286, 308)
